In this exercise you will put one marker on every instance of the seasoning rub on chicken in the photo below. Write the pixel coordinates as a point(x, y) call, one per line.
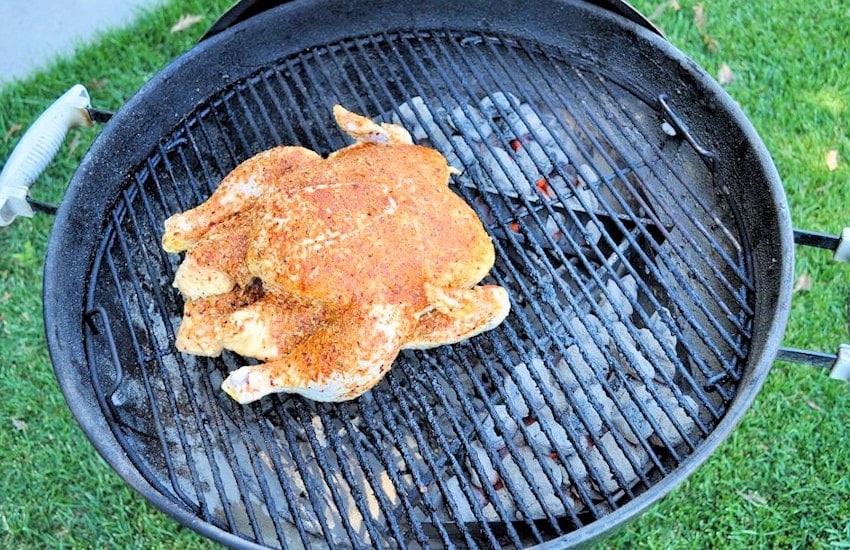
point(326, 268)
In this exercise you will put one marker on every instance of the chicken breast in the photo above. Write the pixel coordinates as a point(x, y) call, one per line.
point(357, 256)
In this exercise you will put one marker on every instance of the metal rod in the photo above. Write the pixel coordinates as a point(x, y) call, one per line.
point(98, 115)
point(682, 129)
point(43, 207)
point(816, 239)
point(808, 357)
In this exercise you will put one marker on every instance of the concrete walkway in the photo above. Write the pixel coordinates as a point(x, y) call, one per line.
point(33, 32)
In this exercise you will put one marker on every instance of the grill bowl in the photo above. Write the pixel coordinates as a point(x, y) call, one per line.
point(658, 211)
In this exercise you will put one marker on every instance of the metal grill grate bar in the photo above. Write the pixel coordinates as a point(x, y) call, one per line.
point(588, 157)
point(694, 269)
point(458, 97)
point(419, 478)
point(614, 191)
point(737, 266)
point(407, 507)
point(659, 226)
point(541, 77)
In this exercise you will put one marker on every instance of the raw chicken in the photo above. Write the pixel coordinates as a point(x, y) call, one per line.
point(327, 268)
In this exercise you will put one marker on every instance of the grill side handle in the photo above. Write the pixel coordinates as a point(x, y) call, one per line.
point(38, 147)
point(838, 363)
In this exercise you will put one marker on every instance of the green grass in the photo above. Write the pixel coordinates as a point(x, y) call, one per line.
point(781, 479)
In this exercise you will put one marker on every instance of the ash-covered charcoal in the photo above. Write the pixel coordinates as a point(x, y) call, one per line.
point(493, 105)
point(664, 433)
point(522, 483)
point(609, 472)
point(417, 118)
point(569, 233)
point(483, 472)
point(554, 223)
point(617, 301)
point(592, 407)
point(524, 379)
point(655, 353)
point(574, 369)
point(630, 355)
point(662, 333)
point(588, 175)
point(469, 121)
point(591, 344)
point(550, 428)
point(499, 427)
point(461, 500)
point(558, 443)
point(629, 420)
point(508, 172)
point(668, 428)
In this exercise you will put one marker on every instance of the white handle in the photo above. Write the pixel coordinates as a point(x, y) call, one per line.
point(37, 148)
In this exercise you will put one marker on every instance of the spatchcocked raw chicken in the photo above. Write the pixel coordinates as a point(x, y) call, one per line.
point(326, 268)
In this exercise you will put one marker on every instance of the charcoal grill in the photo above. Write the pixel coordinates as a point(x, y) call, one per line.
point(639, 225)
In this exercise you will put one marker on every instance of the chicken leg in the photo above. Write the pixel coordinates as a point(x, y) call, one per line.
point(238, 191)
point(459, 314)
point(340, 361)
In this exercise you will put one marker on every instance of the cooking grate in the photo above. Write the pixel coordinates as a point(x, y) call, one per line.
point(628, 334)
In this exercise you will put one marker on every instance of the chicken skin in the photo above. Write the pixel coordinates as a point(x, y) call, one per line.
point(326, 268)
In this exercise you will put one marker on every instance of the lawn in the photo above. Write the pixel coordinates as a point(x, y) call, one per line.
point(781, 479)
